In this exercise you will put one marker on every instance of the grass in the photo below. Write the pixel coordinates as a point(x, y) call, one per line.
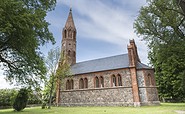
point(164, 108)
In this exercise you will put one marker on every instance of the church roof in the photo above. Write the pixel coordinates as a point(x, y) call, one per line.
point(103, 64)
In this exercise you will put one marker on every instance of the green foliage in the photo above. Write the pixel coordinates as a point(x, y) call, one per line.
point(21, 100)
point(23, 29)
point(57, 68)
point(33, 98)
point(162, 25)
point(7, 97)
point(52, 61)
point(63, 69)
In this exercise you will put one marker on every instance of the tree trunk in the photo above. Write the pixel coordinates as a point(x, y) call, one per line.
point(51, 91)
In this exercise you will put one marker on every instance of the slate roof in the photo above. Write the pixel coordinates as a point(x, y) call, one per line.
point(142, 66)
point(102, 64)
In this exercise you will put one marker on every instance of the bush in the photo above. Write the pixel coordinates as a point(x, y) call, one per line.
point(7, 97)
point(21, 100)
point(33, 99)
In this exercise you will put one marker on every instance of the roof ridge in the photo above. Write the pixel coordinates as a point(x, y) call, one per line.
point(101, 58)
point(141, 65)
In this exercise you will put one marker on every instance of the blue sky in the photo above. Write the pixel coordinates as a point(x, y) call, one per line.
point(104, 28)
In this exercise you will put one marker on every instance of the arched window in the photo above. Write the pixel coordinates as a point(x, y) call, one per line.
point(149, 80)
point(74, 54)
point(119, 80)
point(81, 84)
point(74, 34)
point(101, 81)
point(96, 82)
point(69, 52)
point(67, 85)
point(114, 80)
point(85, 83)
point(72, 84)
point(65, 34)
point(152, 81)
point(70, 34)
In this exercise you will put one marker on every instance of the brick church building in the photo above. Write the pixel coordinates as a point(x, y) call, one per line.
point(120, 80)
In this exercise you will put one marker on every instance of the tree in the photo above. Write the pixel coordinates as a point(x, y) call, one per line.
point(21, 99)
point(23, 29)
point(53, 63)
point(63, 71)
point(162, 25)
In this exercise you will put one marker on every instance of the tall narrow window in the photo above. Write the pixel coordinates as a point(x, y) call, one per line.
point(74, 34)
point(67, 85)
point(65, 33)
point(72, 84)
point(113, 80)
point(74, 54)
point(85, 83)
point(152, 80)
point(81, 84)
point(119, 80)
point(101, 82)
point(70, 34)
point(149, 80)
point(96, 82)
point(69, 52)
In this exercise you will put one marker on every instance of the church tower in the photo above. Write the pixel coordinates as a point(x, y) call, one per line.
point(69, 40)
point(68, 48)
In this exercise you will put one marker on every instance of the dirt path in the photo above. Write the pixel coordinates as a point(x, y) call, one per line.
point(180, 111)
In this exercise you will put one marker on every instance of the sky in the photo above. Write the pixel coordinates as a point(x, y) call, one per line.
point(104, 28)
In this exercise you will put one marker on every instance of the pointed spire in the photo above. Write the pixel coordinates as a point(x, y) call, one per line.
point(70, 22)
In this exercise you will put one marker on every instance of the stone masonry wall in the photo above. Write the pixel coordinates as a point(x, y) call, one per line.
point(105, 96)
point(108, 95)
point(148, 93)
point(117, 96)
point(152, 93)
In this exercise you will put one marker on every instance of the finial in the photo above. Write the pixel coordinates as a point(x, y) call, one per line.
point(70, 9)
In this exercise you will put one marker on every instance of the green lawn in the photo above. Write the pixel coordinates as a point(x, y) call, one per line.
point(164, 108)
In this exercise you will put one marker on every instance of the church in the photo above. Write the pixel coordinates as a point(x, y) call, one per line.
point(121, 80)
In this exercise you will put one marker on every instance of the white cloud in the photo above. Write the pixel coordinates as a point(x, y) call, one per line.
point(3, 83)
point(99, 20)
point(108, 22)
